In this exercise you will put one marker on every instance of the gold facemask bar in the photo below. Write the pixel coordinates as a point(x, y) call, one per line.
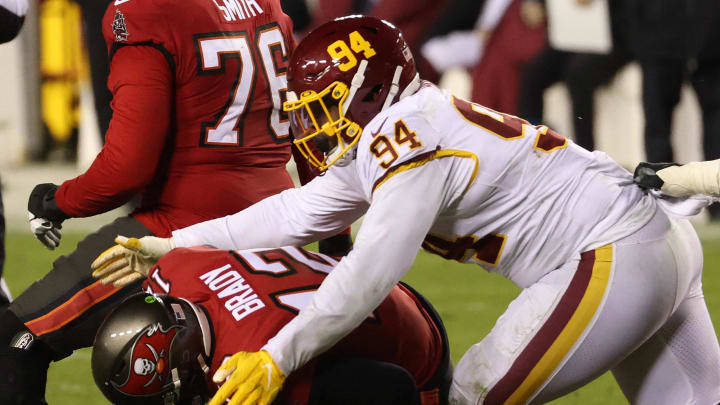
point(332, 128)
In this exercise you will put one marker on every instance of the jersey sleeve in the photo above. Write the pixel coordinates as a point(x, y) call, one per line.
point(394, 141)
point(141, 82)
point(363, 279)
point(133, 22)
point(295, 217)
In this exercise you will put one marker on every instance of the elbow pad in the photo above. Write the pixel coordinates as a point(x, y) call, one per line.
point(10, 25)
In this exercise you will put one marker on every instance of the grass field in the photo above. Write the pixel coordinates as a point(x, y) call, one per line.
point(468, 299)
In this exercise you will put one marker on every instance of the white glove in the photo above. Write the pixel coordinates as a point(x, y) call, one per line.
point(130, 260)
point(46, 231)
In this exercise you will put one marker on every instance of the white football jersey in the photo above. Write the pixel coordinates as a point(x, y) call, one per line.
point(532, 200)
point(460, 180)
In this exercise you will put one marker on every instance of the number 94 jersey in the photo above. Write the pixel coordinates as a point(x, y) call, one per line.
point(520, 200)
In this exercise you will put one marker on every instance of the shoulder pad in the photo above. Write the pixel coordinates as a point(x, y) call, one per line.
point(137, 21)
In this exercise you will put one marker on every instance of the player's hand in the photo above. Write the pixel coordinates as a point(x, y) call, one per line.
point(46, 231)
point(646, 175)
point(130, 260)
point(45, 216)
point(249, 378)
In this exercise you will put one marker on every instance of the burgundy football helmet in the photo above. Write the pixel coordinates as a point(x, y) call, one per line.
point(342, 75)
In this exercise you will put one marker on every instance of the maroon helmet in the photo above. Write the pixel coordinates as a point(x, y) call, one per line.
point(342, 75)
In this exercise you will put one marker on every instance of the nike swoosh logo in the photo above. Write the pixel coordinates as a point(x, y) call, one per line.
point(374, 134)
point(268, 367)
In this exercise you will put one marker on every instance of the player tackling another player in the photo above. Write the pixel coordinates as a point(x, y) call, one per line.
point(610, 275)
point(197, 132)
point(221, 302)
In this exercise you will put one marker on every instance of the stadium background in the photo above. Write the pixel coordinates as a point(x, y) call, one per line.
point(45, 96)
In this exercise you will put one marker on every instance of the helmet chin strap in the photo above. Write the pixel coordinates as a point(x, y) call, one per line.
point(355, 84)
point(394, 88)
point(412, 87)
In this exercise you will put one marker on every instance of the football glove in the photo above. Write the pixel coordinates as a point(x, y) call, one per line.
point(646, 175)
point(46, 231)
point(249, 378)
point(680, 180)
point(45, 216)
point(130, 260)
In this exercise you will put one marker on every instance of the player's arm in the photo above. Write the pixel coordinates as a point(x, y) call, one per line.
point(319, 209)
point(141, 82)
point(402, 212)
point(335, 245)
point(680, 180)
point(12, 16)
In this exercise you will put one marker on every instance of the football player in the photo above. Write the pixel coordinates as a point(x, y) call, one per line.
point(12, 17)
point(215, 303)
point(610, 275)
point(197, 131)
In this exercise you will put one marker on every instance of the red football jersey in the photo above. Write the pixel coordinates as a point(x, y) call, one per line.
point(226, 141)
point(250, 296)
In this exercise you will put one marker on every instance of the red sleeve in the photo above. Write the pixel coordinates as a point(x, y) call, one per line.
point(141, 82)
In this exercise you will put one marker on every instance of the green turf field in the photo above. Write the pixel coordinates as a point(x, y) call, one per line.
point(468, 299)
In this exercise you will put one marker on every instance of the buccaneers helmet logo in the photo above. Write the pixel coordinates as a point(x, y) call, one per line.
point(149, 363)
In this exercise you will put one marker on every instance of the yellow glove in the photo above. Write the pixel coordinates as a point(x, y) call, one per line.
point(254, 379)
point(130, 260)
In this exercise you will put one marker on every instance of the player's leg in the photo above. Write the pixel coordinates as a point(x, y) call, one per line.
point(680, 364)
point(573, 324)
point(5, 295)
point(362, 382)
point(546, 69)
point(59, 313)
point(662, 80)
point(437, 389)
point(585, 73)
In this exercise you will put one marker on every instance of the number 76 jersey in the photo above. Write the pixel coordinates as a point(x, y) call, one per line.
point(227, 61)
point(520, 200)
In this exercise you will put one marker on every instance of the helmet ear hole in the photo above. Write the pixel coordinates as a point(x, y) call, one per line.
point(373, 94)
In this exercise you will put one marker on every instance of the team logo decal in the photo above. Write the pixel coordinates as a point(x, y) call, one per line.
point(149, 363)
point(119, 28)
point(23, 341)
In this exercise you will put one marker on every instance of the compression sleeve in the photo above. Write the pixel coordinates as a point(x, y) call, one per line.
point(141, 82)
point(319, 209)
point(392, 232)
point(692, 178)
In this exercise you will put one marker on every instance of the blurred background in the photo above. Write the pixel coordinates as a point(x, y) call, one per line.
point(638, 79)
point(575, 65)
